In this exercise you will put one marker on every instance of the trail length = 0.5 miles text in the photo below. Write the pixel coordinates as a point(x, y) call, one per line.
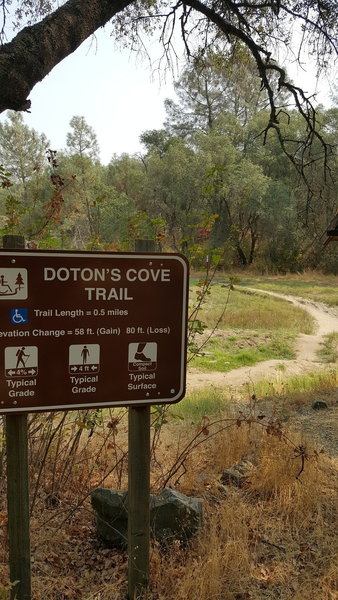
point(79, 312)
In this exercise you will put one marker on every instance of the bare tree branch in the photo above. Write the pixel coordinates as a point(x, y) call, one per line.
point(300, 155)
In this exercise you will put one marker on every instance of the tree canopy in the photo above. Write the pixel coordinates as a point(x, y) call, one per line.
point(205, 176)
point(259, 25)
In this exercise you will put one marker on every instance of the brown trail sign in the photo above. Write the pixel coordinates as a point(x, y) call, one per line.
point(82, 330)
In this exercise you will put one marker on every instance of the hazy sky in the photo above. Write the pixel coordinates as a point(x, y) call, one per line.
point(118, 94)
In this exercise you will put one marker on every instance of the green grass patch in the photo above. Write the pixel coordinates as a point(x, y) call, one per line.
point(318, 381)
point(217, 355)
point(214, 401)
point(201, 403)
point(252, 311)
point(329, 352)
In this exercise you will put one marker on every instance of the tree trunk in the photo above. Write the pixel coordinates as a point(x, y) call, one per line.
point(36, 50)
point(253, 230)
point(241, 255)
point(254, 238)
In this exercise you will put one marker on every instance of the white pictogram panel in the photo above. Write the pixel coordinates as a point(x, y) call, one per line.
point(142, 356)
point(84, 358)
point(21, 361)
point(13, 284)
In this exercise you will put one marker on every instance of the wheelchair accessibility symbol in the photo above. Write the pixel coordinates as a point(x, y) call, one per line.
point(19, 316)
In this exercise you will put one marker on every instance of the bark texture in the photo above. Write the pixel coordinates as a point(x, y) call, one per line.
point(33, 53)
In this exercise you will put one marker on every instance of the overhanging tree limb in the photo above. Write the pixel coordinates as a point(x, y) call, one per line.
point(33, 53)
point(37, 49)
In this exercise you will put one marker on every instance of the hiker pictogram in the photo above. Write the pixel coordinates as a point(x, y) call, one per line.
point(85, 354)
point(142, 356)
point(20, 355)
point(13, 282)
point(21, 361)
point(84, 358)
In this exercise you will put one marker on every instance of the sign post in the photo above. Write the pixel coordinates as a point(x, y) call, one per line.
point(18, 489)
point(139, 487)
point(138, 501)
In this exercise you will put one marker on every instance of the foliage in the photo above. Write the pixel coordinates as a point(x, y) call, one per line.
point(216, 82)
point(22, 149)
point(5, 178)
point(208, 189)
point(82, 139)
point(141, 226)
point(243, 33)
point(196, 326)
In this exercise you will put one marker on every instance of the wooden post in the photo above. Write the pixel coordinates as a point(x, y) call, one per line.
point(18, 488)
point(139, 487)
point(138, 500)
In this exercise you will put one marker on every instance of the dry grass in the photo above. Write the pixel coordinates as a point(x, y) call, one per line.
point(273, 538)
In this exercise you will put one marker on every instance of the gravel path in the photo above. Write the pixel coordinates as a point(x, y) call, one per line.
point(306, 360)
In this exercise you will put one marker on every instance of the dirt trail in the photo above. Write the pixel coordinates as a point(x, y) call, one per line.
point(307, 347)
